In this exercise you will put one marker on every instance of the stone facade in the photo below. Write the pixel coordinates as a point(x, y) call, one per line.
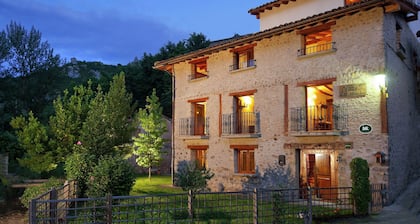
point(365, 46)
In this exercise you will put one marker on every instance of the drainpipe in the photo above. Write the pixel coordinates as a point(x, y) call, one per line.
point(172, 127)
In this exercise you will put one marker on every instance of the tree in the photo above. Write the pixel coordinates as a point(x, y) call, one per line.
point(33, 137)
point(190, 177)
point(149, 142)
point(26, 52)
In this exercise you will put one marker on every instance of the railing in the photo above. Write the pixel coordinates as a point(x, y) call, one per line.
point(318, 118)
point(241, 123)
point(379, 197)
point(257, 206)
point(197, 76)
point(246, 64)
point(316, 49)
point(59, 201)
point(194, 126)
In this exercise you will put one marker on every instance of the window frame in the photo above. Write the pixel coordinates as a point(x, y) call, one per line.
point(317, 48)
point(246, 52)
point(195, 64)
point(250, 166)
point(200, 159)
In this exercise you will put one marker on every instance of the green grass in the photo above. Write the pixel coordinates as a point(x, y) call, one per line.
point(158, 184)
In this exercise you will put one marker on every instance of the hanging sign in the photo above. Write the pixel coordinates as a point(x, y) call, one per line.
point(365, 128)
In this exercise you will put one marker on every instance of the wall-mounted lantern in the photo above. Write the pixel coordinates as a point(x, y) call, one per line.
point(380, 157)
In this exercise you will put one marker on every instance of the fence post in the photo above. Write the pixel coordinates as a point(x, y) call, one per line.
point(308, 215)
point(109, 209)
point(190, 204)
point(255, 205)
point(32, 211)
point(53, 205)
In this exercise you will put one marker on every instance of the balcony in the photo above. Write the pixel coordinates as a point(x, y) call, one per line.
point(194, 126)
point(247, 64)
point(320, 118)
point(245, 123)
point(319, 48)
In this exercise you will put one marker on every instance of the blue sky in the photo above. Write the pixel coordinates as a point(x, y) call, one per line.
point(116, 31)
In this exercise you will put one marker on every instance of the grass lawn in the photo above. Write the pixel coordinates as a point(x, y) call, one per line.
point(158, 184)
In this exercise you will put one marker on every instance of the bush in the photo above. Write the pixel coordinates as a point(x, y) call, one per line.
point(78, 167)
point(33, 192)
point(112, 175)
point(360, 185)
point(190, 177)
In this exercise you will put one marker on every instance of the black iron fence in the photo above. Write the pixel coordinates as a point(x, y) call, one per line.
point(258, 206)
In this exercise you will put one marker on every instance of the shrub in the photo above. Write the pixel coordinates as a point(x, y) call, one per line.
point(112, 175)
point(78, 167)
point(360, 185)
point(32, 192)
point(190, 177)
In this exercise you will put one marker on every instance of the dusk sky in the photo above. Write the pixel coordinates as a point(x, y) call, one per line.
point(116, 31)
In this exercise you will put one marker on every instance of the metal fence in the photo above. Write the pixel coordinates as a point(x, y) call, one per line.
point(258, 206)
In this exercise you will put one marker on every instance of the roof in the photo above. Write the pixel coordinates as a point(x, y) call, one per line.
point(322, 18)
point(268, 6)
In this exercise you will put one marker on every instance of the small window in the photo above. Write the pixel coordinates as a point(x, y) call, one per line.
point(243, 57)
point(244, 159)
point(199, 68)
point(349, 2)
point(199, 155)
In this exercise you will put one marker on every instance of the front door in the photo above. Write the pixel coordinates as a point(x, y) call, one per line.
point(318, 174)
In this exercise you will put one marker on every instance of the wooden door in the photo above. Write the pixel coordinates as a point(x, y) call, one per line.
point(199, 119)
point(323, 175)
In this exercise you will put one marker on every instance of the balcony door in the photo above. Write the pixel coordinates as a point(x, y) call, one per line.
point(319, 107)
point(199, 118)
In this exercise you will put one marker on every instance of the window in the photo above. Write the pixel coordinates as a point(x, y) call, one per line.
point(243, 120)
point(319, 107)
point(243, 57)
point(316, 39)
point(197, 122)
point(349, 2)
point(244, 159)
point(199, 68)
point(198, 154)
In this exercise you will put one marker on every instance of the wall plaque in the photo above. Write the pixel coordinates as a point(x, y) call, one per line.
point(352, 90)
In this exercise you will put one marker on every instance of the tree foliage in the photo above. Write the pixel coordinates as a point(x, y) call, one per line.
point(360, 185)
point(190, 177)
point(23, 51)
point(33, 138)
point(149, 141)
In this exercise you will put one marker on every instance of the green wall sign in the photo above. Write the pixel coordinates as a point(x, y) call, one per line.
point(365, 128)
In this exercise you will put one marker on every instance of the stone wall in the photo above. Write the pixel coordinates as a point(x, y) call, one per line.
point(360, 55)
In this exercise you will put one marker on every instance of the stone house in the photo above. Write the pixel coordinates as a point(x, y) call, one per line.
point(321, 83)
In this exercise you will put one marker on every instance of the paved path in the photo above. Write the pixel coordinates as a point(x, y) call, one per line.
point(393, 214)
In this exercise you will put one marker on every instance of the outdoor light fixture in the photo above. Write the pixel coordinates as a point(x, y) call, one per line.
point(380, 80)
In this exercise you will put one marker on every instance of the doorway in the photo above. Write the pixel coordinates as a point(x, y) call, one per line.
point(316, 171)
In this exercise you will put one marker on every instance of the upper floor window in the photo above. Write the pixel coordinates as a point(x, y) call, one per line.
point(316, 39)
point(243, 57)
point(199, 68)
point(349, 2)
point(197, 123)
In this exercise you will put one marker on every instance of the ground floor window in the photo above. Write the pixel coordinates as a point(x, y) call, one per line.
point(199, 154)
point(244, 158)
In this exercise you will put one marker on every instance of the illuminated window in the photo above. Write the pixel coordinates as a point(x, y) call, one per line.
point(199, 154)
point(319, 107)
point(199, 68)
point(349, 2)
point(244, 159)
point(243, 57)
point(316, 39)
